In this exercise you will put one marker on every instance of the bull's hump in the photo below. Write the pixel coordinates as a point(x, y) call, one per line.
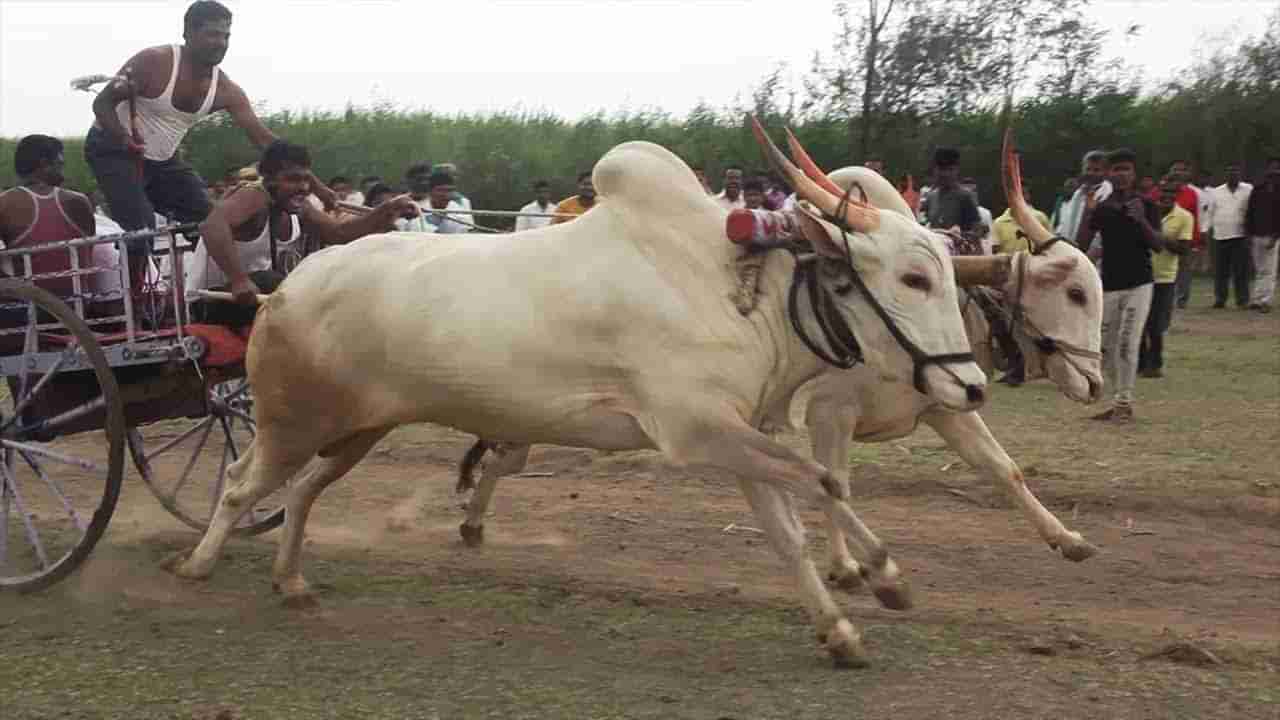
point(649, 178)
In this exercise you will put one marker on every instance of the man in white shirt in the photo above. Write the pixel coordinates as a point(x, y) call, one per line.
point(1093, 180)
point(440, 197)
point(730, 198)
point(541, 204)
point(1231, 245)
point(456, 195)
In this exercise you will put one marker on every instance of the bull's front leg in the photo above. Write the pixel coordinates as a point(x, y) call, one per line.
point(767, 469)
point(968, 435)
point(830, 425)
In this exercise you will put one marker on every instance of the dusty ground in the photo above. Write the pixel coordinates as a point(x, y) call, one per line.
point(610, 589)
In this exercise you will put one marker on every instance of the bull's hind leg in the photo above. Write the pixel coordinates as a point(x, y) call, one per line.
point(508, 460)
point(968, 435)
point(335, 461)
point(265, 466)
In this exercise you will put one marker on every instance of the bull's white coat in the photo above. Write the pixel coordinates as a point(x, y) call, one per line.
point(615, 331)
point(868, 404)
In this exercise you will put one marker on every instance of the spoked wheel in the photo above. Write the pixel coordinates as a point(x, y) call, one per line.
point(185, 462)
point(61, 439)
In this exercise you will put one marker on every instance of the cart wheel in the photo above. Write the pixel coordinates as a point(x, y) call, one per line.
point(169, 453)
point(62, 439)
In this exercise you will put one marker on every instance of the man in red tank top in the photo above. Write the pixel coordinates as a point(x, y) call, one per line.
point(142, 117)
point(39, 211)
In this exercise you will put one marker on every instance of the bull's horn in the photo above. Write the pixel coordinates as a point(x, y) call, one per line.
point(810, 167)
point(858, 216)
point(815, 173)
point(988, 270)
point(1012, 171)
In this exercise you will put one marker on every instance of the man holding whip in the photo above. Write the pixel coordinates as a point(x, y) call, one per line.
point(142, 115)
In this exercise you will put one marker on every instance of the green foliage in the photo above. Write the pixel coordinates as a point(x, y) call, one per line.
point(927, 91)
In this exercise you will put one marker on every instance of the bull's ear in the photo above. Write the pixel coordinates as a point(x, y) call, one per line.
point(1052, 273)
point(824, 237)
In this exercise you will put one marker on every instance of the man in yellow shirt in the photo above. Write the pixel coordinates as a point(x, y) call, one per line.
point(1176, 225)
point(1008, 236)
point(578, 204)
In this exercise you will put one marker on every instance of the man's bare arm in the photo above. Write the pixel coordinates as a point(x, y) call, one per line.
point(335, 232)
point(216, 231)
point(80, 212)
point(129, 81)
point(243, 114)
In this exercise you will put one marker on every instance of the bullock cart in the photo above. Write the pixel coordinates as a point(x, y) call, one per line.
point(95, 370)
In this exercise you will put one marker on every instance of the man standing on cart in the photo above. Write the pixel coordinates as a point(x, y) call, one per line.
point(243, 232)
point(142, 116)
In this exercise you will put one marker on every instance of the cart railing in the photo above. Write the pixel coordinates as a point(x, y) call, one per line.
point(164, 340)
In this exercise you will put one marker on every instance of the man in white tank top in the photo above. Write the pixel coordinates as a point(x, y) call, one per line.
point(140, 122)
point(236, 252)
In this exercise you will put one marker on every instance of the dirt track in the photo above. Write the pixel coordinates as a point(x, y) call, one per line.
point(610, 588)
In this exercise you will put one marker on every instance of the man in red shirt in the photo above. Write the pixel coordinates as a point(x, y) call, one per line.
point(1187, 199)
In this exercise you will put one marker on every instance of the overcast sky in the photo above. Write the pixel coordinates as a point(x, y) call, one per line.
point(481, 55)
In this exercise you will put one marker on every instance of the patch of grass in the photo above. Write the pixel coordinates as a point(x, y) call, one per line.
point(391, 643)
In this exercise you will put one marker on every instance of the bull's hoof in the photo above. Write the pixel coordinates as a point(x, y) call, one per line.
point(845, 646)
point(894, 597)
point(1077, 549)
point(179, 563)
point(849, 581)
point(471, 536)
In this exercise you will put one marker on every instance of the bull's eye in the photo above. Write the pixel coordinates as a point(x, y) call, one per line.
point(916, 281)
point(1076, 295)
point(843, 289)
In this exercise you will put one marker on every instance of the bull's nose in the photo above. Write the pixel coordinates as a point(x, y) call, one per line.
point(974, 393)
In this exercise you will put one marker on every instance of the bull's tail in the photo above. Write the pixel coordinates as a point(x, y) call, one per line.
point(467, 468)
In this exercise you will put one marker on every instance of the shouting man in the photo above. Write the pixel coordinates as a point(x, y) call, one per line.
point(243, 232)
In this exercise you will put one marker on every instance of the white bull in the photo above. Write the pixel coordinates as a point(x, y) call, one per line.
point(613, 332)
point(1058, 295)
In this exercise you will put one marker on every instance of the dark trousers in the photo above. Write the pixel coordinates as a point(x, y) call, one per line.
point(1182, 286)
point(170, 187)
point(219, 312)
point(1151, 349)
point(1233, 264)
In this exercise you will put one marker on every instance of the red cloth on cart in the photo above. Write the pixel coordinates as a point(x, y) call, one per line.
point(225, 346)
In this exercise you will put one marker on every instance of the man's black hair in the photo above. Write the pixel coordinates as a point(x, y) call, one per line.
point(376, 190)
point(541, 185)
point(584, 175)
point(754, 183)
point(339, 179)
point(946, 157)
point(280, 153)
point(33, 150)
point(422, 168)
point(439, 178)
point(201, 12)
point(1122, 155)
